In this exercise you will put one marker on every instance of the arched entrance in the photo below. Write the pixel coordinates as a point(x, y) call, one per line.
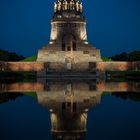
point(68, 43)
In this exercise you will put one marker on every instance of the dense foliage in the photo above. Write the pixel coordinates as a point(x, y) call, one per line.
point(134, 96)
point(5, 97)
point(132, 56)
point(10, 56)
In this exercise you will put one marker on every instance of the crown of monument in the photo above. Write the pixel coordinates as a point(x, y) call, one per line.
point(68, 5)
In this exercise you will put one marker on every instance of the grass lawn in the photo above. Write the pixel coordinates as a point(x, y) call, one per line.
point(30, 59)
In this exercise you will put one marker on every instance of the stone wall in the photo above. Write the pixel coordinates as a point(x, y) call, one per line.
point(61, 27)
point(74, 56)
point(22, 66)
point(114, 66)
point(22, 87)
point(92, 66)
point(117, 66)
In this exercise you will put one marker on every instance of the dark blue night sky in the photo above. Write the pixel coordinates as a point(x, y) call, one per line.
point(112, 25)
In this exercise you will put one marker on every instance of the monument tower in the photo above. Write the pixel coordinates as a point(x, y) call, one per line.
point(68, 48)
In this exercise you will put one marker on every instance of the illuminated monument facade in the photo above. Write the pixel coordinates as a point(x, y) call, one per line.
point(68, 48)
point(68, 52)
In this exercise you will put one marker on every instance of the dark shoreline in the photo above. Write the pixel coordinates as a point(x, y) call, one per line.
point(123, 75)
point(18, 76)
point(32, 76)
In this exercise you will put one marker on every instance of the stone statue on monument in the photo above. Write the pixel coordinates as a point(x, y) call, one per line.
point(55, 7)
point(81, 7)
point(59, 5)
point(77, 6)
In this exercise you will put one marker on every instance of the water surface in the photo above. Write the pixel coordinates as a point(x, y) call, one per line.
point(70, 110)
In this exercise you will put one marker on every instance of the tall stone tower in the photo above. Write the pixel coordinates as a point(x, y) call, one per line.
point(68, 47)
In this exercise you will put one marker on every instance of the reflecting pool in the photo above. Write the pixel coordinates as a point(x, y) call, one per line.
point(70, 110)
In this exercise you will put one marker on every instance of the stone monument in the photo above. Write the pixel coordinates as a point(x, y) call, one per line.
point(68, 49)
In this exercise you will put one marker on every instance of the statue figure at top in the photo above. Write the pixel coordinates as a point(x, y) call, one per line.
point(71, 5)
point(59, 6)
point(55, 7)
point(67, 5)
point(77, 6)
point(81, 8)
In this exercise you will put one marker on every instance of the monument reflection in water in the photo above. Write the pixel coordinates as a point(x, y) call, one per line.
point(69, 101)
point(68, 105)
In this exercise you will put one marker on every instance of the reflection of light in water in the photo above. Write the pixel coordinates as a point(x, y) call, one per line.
point(43, 86)
point(69, 102)
point(68, 105)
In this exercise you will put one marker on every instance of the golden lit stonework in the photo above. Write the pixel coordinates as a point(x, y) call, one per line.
point(68, 49)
